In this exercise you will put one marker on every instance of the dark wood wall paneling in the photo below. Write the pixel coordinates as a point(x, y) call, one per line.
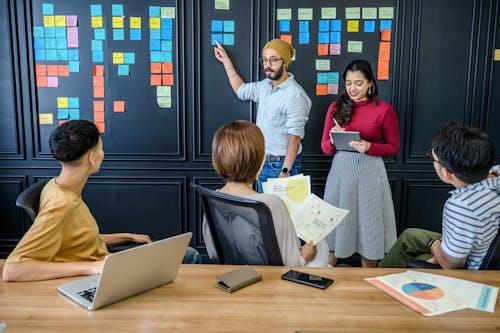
point(442, 69)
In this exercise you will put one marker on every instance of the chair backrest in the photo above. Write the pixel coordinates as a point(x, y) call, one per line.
point(492, 258)
point(29, 199)
point(242, 229)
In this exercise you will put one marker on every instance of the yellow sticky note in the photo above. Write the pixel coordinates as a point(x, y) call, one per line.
point(96, 21)
point(169, 12)
point(328, 13)
point(49, 21)
point(305, 14)
point(117, 22)
point(117, 57)
point(497, 55)
point(154, 22)
point(45, 118)
point(62, 102)
point(284, 14)
point(60, 20)
point(135, 22)
point(352, 26)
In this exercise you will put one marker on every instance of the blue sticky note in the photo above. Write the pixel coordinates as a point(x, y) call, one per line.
point(73, 66)
point(117, 10)
point(48, 9)
point(123, 70)
point(322, 78)
point(96, 45)
point(323, 25)
point(335, 37)
point(166, 56)
point(335, 25)
point(303, 38)
point(100, 34)
point(303, 26)
point(166, 45)
point(385, 24)
point(50, 43)
point(61, 43)
point(73, 103)
point(166, 33)
point(216, 26)
point(40, 54)
point(74, 114)
point(95, 10)
point(228, 26)
point(154, 34)
point(284, 25)
point(154, 45)
point(118, 34)
point(216, 37)
point(62, 55)
point(129, 58)
point(50, 32)
point(333, 77)
point(73, 54)
point(60, 32)
point(97, 56)
point(62, 114)
point(228, 39)
point(51, 55)
point(135, 34)
point(369, 26)
point(155, 56)
point(166, 23)
point(38, 43)
point(38, 32)
point(323, 37)
point(154, 11)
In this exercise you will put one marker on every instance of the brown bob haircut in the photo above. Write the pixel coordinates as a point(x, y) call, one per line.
point(238, 151)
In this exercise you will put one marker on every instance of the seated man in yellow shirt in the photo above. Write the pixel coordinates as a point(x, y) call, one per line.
point(64, 240)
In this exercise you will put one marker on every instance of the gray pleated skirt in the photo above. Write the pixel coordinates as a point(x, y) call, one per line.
point(359, 183)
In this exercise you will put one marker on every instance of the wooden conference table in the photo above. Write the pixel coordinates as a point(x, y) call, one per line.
point(192, 303)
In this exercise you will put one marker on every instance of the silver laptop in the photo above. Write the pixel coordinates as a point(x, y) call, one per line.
point(129, 273)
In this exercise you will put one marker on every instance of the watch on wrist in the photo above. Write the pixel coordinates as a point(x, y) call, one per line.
point(286, 171)
point(431, 241)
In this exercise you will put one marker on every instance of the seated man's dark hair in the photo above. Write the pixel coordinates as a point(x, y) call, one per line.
point(467, 152)
point(70, 141)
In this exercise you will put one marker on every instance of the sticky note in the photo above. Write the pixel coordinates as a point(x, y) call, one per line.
point(50, 43)
point(117, 22)
point(333, 89)
point(60, 32)
point(303, 26)
point(168, 79)
point(155, 80)
point(335, 37)
point(50, 54)
point(322, 49)
point(62, 54)
point(100, 126)
point(323, 25)
point(155, 67)
point(369, 13)
point(321, 78)
point(167, 67)
point(39, 43)
point(98, 92)
point(283, 14)
point(216, 37)
point(284, 25)
point(116, 9)
point(321, 89)
point(99, 117)
point(135, 34)
point(97, 56)
point(328, 13)
point(45, 118)
point(164, 102)
point(118, 34)
point(228, 26)
point(333, 77)
point(48, 9)
point(354, 46)
point(163, 91)
point(228, 39)
point(98, 106)
point(154, 23)
point(322, 65)
point(40, 55)
point(383, 70)
point(369, 26)
point(71, 20)
point(96, 21)
point(49, 21)
point(496, 55)
point(386, 13)
point(98, 70)
point(385, 25)
point(154, 11)
point(50, 32)
point(117, 57)
point(217, 26)
point(167, 12)
point(385, 35)
point(353, 26)
point(352, 13)
point(52, 70)
point(61, 43)
point(73, 102)
point(286, 38)
point(98, 81)
point(135, 22)
point(100, 33)
point(41, 81)
point(123, 70)
point(119, 106)
point(62, 70)
point(62, 114)
point(129, 58)
point(96, 45)
point(73, 37)
point(41, 69)
point(305, 14)
point(60, 20)
point(221, 4)
point(384, 51)
point(304, 38)
point(73, 66)
point(335, 25)
point(323, 37)
point(62, 102)
point(74, 114)
point(38, 32)
point(95, 10)
point(154, 34)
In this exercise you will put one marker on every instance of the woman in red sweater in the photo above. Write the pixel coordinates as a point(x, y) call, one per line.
point(358, 180)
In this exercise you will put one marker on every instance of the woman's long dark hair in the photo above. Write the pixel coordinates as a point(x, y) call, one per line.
point(345, 105)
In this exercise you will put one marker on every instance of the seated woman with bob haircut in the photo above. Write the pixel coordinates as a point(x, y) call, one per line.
point(237, 156)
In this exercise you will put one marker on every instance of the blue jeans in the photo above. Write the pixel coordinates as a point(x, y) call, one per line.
point(273, 170)
point(191, 256)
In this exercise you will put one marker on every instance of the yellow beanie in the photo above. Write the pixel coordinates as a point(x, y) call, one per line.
point(284, 49)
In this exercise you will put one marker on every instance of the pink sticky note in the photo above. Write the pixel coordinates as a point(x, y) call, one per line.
point(71, 20)
point(52, 81)
point(333, 89)
point(334, 49)
point(72, 36)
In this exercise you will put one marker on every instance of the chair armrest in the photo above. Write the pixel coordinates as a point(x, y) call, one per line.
point(117, 247)
point(422, 264)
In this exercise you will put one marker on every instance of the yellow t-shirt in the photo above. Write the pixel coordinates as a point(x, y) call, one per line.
point(64, 230)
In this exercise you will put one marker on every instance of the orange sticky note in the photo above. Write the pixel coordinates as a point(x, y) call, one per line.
point(383, 70)
point(98, 106)
point(99, 117)
point(167, 67)
point(286, 38)
point(63, 70)
point(98, 70)
point(119, 106)
point(384, 51)
point(156, 80)
point(99, 92)
point(155, 67)
point(323, 49)
point(41, 70)
point(52, 70)
point(41, 81)
point(100, 126)
point(385, 35)
point(322, 89)
point(168, 79)
point(98, 81)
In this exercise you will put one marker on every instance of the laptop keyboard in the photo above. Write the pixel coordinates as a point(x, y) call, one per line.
point(88, 294)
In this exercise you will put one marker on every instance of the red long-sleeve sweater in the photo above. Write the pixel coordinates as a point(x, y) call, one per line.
point(375, 120)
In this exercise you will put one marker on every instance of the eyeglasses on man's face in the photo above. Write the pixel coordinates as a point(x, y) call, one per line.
point(271, 60)
point(431, 157)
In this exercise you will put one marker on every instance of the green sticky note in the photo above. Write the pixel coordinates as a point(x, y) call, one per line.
point(352, 13)
point(355, 46)
point(164, 102)
point(167, 12)
point(284, 14)
point(163, 91)
point(328, 13)
point(322, 65)
point(222, 4)
point(305, 14)
point(386, 13)
point(369, 13)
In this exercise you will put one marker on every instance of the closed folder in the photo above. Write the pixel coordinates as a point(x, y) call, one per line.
point(237, 279)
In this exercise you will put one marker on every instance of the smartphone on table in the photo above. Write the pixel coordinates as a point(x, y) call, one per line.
point(307, 279)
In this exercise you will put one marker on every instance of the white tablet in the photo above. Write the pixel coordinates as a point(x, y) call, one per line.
point(341, 139)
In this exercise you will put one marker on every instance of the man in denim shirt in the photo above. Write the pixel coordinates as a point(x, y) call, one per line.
point(283, 107)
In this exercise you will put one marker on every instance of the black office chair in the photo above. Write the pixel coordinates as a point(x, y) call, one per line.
point(242, 229)
point(491, 260)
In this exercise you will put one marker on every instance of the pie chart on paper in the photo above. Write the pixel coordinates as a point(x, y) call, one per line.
point(422, 291)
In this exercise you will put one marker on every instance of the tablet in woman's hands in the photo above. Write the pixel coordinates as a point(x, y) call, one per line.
point(341, 139)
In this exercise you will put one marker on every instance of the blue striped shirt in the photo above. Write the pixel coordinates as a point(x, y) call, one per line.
point(471, 217)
